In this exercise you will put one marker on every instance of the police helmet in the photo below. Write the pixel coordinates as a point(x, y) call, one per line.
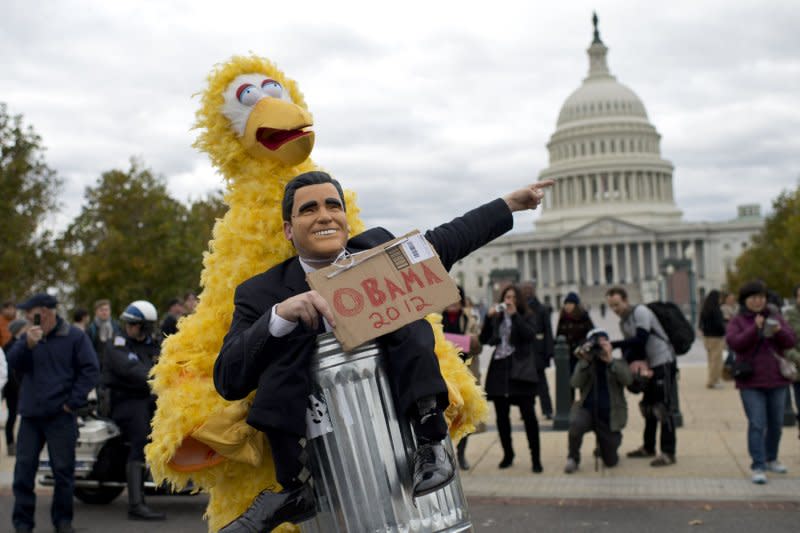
point(139, 312)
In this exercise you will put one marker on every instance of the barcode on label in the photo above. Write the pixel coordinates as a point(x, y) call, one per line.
point(417, 249)
point(413, 249)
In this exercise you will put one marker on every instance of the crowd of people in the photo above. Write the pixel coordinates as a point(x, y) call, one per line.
point(761, 338)
point(49, 365)
point(759, 335)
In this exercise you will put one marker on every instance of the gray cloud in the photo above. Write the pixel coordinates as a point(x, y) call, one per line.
point(423, 116)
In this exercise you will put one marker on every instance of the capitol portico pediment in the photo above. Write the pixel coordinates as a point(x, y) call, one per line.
point(606, 226)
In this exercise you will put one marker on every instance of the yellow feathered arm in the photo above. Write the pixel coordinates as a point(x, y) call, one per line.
point(197, 435)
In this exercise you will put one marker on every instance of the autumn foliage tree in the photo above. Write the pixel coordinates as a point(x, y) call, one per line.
point(28, 195)
point(133, 241)
point(774, 255)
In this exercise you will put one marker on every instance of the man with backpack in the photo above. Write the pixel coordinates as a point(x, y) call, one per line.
point(648, 350)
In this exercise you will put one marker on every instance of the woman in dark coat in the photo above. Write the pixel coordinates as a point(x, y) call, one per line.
point(512, 374)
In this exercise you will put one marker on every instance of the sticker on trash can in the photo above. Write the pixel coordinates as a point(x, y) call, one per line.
point(318, 421)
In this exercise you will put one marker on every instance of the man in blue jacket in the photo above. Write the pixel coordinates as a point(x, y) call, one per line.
point(57, 367)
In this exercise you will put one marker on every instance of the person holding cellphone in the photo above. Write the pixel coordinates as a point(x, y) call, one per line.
point(57, 367)
point(512, 376)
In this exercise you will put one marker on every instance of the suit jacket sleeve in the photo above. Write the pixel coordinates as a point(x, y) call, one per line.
point(242, 357)
point(458, 238)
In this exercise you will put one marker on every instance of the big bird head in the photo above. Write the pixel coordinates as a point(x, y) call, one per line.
point(253, 120)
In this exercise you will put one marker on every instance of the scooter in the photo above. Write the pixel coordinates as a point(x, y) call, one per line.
point(100, 459)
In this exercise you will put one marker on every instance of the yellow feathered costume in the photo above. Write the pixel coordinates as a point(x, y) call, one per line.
point(258, 148)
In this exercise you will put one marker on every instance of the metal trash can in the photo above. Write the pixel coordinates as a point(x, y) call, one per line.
point(361, 452)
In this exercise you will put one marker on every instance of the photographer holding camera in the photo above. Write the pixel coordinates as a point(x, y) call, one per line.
point(512, 374)
point(602, 407)
point(57, 368)
point(647, 349)
point(759, 335)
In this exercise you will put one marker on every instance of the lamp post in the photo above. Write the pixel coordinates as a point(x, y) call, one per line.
point(670, 270)
point(689, 254)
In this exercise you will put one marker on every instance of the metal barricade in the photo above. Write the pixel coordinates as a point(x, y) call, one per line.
point(361, 452)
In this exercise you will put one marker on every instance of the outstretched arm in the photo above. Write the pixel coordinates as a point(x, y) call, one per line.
point(465, 234)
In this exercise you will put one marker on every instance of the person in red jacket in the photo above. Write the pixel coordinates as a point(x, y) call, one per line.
point(759, 335)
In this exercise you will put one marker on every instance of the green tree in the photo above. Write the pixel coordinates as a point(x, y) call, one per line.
point(203, 214)
point(28, 195)
point(774, 255)
point(132, 240)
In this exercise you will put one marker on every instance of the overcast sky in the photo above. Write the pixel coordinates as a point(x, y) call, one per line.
point(424, 108)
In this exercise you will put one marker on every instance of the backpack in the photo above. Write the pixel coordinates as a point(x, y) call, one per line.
point(679, 331)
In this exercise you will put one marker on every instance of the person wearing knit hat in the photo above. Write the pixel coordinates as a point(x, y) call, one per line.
point(759, 335)
point(749, 289)
point(574, 324)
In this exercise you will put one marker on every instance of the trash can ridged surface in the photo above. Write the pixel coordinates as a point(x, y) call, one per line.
point(361, 461)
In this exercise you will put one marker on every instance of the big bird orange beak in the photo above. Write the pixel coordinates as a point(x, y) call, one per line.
point(278, 130)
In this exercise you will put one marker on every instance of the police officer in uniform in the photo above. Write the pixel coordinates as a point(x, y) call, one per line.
point(128, 360)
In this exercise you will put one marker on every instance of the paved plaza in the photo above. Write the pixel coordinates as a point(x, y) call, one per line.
point(713, 464)
point(712, 451)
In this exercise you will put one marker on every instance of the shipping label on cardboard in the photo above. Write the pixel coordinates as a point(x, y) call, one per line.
point(380, 290)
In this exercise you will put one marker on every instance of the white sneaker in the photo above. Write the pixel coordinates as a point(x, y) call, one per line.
point(777, 467)
point(571, 466)
point(759, 477)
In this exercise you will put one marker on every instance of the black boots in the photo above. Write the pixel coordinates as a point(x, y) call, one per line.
point(137, 510)
point(463, 464)
point(508, 449)
point(272, 508)
point(433, 468)
point(508, 460)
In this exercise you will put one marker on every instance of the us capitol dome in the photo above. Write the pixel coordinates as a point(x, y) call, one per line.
point(611, 218)
point(605, 156)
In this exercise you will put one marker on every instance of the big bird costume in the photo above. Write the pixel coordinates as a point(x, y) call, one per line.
point(197, 435)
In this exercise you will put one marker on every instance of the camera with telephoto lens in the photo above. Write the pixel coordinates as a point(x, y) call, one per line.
point(591, 348)
point(500, 308)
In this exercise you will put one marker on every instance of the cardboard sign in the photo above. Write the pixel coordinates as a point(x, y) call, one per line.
point(380, 290)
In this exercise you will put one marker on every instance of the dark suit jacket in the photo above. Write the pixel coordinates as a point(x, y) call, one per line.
point(278, 367)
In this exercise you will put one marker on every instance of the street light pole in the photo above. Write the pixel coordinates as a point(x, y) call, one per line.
point(689, 253)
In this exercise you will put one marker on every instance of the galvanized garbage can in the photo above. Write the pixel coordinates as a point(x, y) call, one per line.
point(361, 452)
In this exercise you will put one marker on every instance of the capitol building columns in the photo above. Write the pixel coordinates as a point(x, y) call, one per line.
point(560, 267)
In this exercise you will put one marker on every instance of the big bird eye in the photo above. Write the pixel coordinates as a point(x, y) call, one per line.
point(272, 88)
point(249, 94)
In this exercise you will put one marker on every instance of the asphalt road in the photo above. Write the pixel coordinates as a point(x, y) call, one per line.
point(488, 514)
